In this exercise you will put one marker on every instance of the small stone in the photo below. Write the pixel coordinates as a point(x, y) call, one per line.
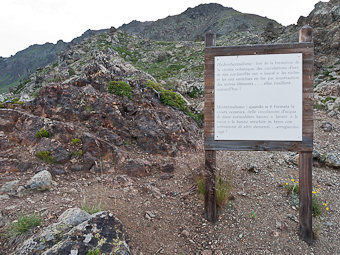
point(207, 252)
point(149, 215)
point(168, 168)
point(278, 225)
point(326, 126)
point(88, 238)
point(276, 234)
point(252, 168)
point(293, 217)
point(240, 235)
point(154, 191)
point(185, 233)
point(242, 193)
point(4, 197)
point(329, 224)
point(74, 252)
point(21, 191)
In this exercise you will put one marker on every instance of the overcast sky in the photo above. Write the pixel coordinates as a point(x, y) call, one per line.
point(27, 22)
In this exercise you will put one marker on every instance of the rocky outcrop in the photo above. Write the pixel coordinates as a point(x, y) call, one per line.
point(325, 21)
point(86, 123)
point(77, 232)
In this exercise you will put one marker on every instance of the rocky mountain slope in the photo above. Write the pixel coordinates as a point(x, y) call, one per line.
point(15, 70)
point(115, 121)
point(192, 24)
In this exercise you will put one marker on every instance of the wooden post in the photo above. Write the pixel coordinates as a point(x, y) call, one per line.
point(210, 181)
point(210, 162)
point(305, 172)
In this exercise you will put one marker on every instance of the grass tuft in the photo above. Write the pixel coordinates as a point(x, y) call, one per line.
point(223, 189)
point(24, 223)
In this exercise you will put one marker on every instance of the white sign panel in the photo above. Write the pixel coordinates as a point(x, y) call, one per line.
point(258, 97)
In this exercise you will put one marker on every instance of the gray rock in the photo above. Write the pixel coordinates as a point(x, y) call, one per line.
point(73, 216)
point(10, 187)
point(4, 197)
point(327, 126)
point(333, 160)
point(21, 191)
point(40, 181)
point(318, 156)
point(74, 234)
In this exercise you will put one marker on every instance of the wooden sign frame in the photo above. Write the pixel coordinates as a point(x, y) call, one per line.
point(304, 147)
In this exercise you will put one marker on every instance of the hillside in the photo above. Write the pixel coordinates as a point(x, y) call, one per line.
point(15, 70)
point(192, 24)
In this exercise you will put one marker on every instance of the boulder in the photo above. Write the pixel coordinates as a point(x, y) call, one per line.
point(40, 181)
point(78, 232)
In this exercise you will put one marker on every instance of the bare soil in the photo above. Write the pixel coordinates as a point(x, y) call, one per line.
point(261, 219)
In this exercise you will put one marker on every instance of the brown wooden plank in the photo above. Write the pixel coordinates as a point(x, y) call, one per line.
point(237, 145)
point(305, 197)
point(210, 179)
point(306, 160)
point(210, 156)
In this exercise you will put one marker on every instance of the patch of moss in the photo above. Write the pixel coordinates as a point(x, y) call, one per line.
point(120, 88)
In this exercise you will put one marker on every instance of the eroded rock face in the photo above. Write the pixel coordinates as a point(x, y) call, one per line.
point(325, 20)
point(78, 232)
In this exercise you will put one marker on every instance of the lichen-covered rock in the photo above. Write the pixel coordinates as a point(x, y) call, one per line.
point(333, 160)
point(77, 232)
point(9, 187)
point(40, 181)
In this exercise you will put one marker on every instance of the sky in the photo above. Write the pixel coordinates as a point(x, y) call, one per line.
point(27, 22)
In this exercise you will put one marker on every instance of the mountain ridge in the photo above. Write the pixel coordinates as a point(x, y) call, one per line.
point(193, 23)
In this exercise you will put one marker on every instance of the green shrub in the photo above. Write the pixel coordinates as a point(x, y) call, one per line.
point(46, 156)
point(154, 85)
point(1, 106)
point(71, 72)
point(120, 88)
point(173, 99)
point(24, 223)
point(168, 97)
point(327, 99)
point(293, 191)
point(93, 252)
point(326, 73)
point(76, 140)
point(42, 133)
point(316, 205)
